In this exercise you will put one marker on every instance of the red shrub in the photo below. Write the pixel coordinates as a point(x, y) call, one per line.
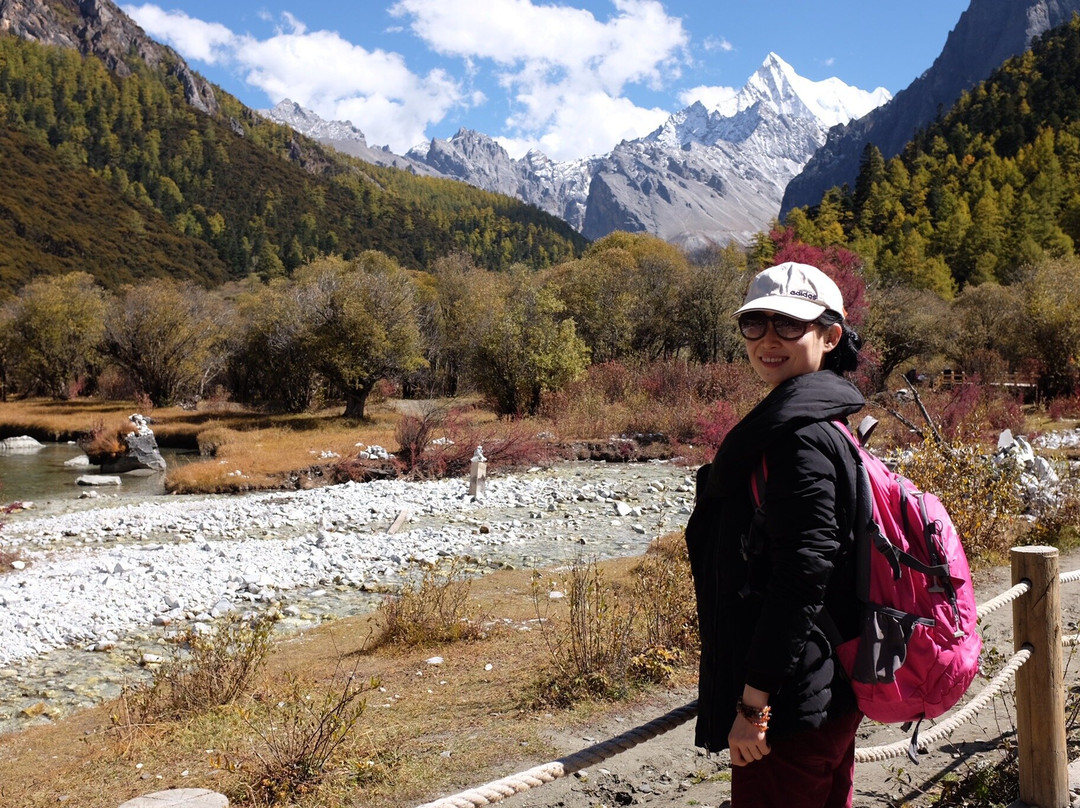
point(842, 265)
point(714, 423)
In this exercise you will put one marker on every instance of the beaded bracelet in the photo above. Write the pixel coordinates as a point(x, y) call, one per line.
point(758, 716)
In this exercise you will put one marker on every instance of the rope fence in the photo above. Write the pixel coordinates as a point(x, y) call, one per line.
point(958, 719)
point(498, 790)
point(1006, 597)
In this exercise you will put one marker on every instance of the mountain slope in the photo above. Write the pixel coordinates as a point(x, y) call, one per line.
point(985, 194)
point(54, 220)
point(222, 192)
point(988, 32)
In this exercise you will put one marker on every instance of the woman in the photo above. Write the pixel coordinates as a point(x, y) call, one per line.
point(775, 582)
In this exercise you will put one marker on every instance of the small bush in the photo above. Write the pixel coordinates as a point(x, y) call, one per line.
point(591, 643)
point(982, 497)
point(687, 403)
point(212, 439)
point(204, 671)
point(664, 594)
point(1063, 407)
point(984, 784)
point(434, 611)
point(104, 441)
point(505, 445)
point(298, 734)
point(656, 664)
point(968, 412)
point(715, 422)
point(414, 434)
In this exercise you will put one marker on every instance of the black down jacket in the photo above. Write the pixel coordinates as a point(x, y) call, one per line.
point(759, 610)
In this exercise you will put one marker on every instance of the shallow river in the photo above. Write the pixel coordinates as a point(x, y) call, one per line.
point(42, 478)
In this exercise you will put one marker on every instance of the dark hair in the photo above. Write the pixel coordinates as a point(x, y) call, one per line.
point(844, 358)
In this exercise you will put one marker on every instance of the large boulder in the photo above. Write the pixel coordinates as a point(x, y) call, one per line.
point(141, 452)
point(21, 444)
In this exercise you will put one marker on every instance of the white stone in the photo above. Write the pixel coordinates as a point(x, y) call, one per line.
point(179, 798)
point(23, 444)
point(98, 479)
point(222, 608)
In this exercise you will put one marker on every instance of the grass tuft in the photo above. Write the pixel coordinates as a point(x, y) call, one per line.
point(205, 670)
point(435, 610)
point(298, 732)
point(588, 627)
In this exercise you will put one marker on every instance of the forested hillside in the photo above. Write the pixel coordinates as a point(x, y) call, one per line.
point(122, 178)
point(992, 187)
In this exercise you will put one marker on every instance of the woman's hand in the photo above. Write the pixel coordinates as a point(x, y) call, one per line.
point(746, 742)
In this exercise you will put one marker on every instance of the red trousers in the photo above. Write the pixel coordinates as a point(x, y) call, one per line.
point(810, 769)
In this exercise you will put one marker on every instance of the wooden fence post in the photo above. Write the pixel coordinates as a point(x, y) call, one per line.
point(1040, 693)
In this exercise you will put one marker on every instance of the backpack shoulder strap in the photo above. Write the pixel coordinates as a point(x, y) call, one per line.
point(758, 477)
point(865, 519)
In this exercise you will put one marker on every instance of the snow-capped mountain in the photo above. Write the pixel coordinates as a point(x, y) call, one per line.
point(340, 135)
point(704, 176)
point(712, 176)
point(558, 188)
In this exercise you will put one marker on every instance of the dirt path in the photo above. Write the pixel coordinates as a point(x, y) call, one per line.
point(669, 770)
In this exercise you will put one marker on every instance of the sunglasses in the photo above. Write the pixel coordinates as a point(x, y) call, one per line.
point(753, 324)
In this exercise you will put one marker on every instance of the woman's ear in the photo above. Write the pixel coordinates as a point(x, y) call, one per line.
point(833, 335)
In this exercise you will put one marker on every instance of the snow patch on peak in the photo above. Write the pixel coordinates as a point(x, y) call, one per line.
point(308, 122)
point(830, 101)
point(834, 102)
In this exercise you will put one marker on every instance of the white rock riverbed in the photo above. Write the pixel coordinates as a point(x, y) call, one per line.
point(108, 578)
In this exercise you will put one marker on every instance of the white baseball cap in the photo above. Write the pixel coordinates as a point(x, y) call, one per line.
point(797, 290)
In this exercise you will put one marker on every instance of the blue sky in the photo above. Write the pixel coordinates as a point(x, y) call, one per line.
point(570, 79)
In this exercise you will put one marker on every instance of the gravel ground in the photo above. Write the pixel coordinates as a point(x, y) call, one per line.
point(96, 588)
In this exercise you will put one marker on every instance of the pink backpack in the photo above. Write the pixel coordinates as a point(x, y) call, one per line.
point(919, 647)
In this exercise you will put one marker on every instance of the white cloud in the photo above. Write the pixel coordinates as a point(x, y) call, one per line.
point(713, 43)
point(320, 70)
point(711, 97)
point(564, 69)
point(208, 42)
point(592, 125)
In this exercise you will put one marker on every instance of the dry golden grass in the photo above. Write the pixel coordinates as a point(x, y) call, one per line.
point(245, 450)
point(50, 420)
point(268, 457)
point(267, 450)
point(426, 729)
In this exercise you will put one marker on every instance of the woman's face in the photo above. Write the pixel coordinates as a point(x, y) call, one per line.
point(776, 360)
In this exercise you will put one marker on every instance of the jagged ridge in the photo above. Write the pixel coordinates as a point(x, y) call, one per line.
point(703, 176)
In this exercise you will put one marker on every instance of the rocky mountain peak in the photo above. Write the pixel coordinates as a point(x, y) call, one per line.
point(308, 121)
point(829, 101)
point(99, 28)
